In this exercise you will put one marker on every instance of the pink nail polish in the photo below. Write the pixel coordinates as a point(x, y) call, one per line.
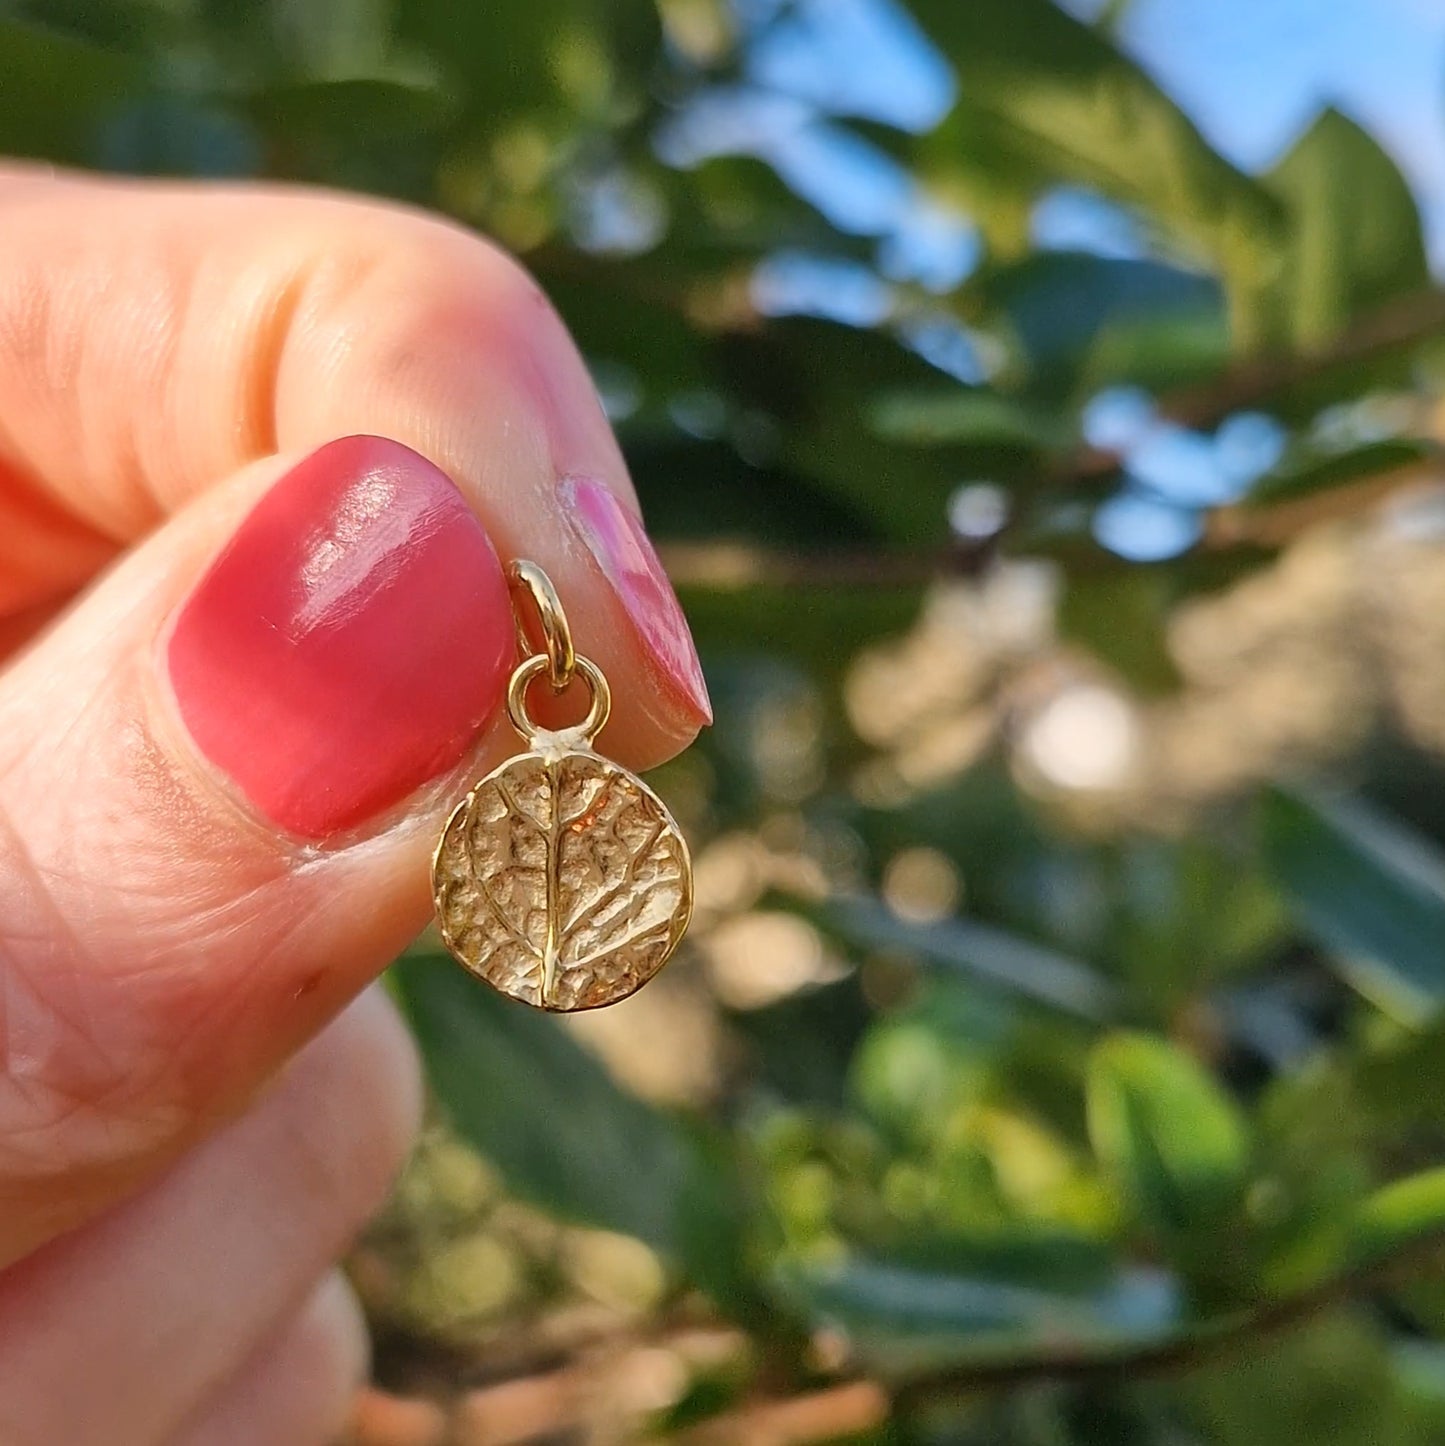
point(614, 536)
point(349, 643)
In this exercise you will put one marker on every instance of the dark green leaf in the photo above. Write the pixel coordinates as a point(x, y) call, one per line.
point(1312, 1133)
point(55, 92)
point(1331, 1381)
point(801, 1046)
point(1370, 890)
point(1186, 913)
point(903, 1319)
point(361, 107)
point(1068, 310)
point(562, 1134)
point(512, 57)
point(1035, 1256)
point(1007, 961)
point(808, 378)
point(167, 135)
point(114, 25)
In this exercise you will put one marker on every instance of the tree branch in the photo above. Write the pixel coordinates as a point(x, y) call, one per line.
point(1400, 325)
point(735, 566)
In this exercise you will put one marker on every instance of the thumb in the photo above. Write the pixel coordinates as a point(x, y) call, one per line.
point(220, 779)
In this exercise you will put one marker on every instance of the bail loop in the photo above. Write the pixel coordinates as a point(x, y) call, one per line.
point(597, 709)
point(556, 643)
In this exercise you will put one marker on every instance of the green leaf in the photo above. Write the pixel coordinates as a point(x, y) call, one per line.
point(1172, 1139)
point(563, 1135)
point(728, 213)
point(1121, 620)
point(1313, 1139)
point(332, 38)
point(1073, 314)
point(1399, 1215)
point(1160, 350)
point(1368, 889)
point(361, 108)
point(916, 1066)
point(1400, 1076)
point(1046, 98)
point(932, 417)
point(544, 1111)
point(1356, 239)
point(512, 57)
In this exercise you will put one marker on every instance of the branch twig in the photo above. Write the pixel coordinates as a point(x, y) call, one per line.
point(1177, 1352)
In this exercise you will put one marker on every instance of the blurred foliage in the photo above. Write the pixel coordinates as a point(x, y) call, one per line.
point(1059, 1043)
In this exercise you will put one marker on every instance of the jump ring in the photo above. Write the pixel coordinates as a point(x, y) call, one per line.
point(532, 668)
point(557, 645)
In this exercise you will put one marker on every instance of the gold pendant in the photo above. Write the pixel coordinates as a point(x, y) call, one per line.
point(561, 878)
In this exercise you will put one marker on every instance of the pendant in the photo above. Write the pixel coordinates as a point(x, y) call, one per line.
point(561, 878)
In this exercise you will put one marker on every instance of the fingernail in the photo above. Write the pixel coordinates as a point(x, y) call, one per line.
point(613, 535)
point(349, 643)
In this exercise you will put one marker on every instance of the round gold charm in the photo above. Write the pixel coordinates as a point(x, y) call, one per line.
point(561, 878)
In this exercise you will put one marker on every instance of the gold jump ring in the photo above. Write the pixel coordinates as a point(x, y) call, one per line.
point(592, 675)
point(556, 634)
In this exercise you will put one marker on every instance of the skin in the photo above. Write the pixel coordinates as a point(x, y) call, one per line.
point(200, 1100)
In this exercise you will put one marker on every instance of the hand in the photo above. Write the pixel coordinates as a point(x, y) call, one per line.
point(223, 765)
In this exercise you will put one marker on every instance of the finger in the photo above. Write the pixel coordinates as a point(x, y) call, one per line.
point(119, 1332)
point(211, 831)
point(156, 338)
point(217, 803)
point(15, 174)
point(297, 1389)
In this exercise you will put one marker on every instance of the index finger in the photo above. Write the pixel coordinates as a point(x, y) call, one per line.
point(222, 774)
point(157, 337)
